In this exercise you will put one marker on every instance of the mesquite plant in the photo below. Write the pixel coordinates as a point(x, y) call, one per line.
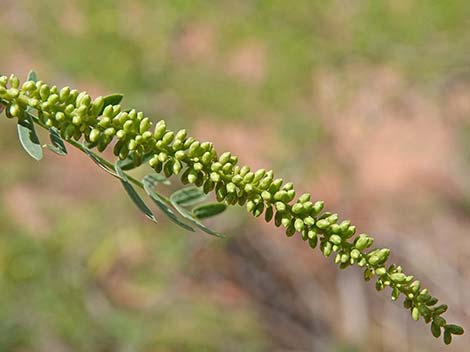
point(89, 124)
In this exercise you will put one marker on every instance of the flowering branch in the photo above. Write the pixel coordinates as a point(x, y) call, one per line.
point(96, 124)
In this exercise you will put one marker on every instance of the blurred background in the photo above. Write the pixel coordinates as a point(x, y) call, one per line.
point(366, 104)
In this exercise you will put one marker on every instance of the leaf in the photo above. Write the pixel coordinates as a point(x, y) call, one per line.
point(133, 194)
point(188, 196)
point(98, 162)
point(32, 76)
point(208, 210)
point(112, 99)
point(58, 145)
point(28, 137)
point(181, 195)
point(150, 182)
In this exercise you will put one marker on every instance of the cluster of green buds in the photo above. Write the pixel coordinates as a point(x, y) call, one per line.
point(100, 123)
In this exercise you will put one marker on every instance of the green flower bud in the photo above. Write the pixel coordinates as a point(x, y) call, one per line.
point(215, 177)
point(227, 168)
point(176, 167)
point(194, 150)
point(318, 207)
point(335, 239)
point(192, 176)
point(12, 93)
point(198, 166)
point(398, 277)
point(225, 157)
point(265, 182)
point(160, 129)
point(144, 125)
point(281, 196)
point(326, 249)
point(215, 166)
point(53, 99)
point(168, 137)
point(363, 241)
point(309, 221)
point(64, 94)
point(77, 120)
point(95, 135)
point(14, 81)
point(297, 208)
point(335, 228)
point(275, 185)
point(288, 186)
point(323, 224)
point(266, 195)
point(132, 145)
point(355, 254)
point(179, 155)
point(154, 161)
point(299, 225)
point(181, 134)
point(69, 109)
point(128, 126)
point(15, 110)
point(249, 177)
point(206, 158)
point(415, 313)
point(231, 187)
point(44, 91)
point(97, 106)
point(259, 175)
point(109, 132)
point(290, 194)
point(395, 294)
point(248, 188)
point(207, 146)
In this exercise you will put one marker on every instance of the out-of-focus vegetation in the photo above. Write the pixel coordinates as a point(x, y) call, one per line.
point(365, 103)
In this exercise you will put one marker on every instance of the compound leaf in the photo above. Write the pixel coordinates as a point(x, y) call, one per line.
point(150, 181)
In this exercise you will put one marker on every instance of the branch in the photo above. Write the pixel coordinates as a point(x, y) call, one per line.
point(87, 124)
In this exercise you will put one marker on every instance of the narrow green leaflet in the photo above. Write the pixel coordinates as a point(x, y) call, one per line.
point(58, 145)
point(32, 76)
point(133, 194)
point(178, 199)
point(98, 162)
point(28, 137)
point(208, 210)
point(188, 196)
point(112, 99)
point(150, 181)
